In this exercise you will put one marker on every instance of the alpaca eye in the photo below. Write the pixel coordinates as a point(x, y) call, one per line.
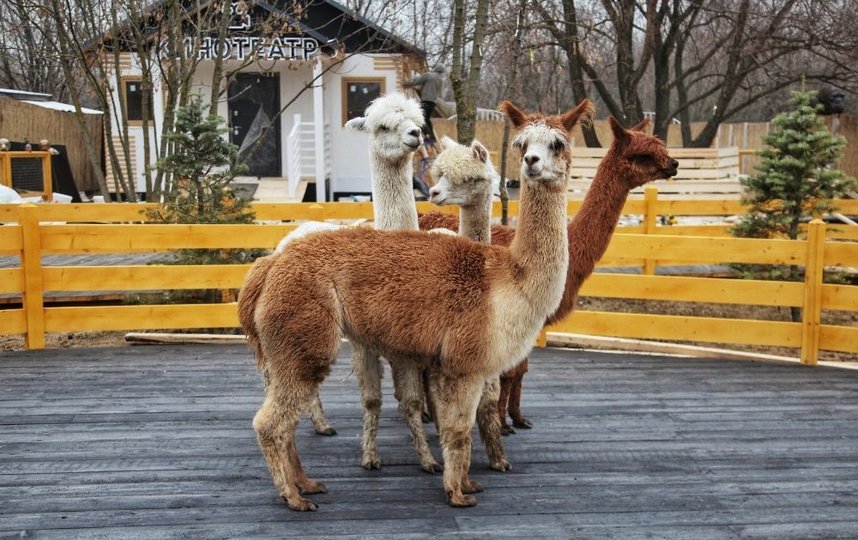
point(642, 159)
point(384, 128)
point(557, 145)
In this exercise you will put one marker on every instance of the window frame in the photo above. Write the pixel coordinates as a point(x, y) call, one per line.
point(123, 88)
point(346, 81)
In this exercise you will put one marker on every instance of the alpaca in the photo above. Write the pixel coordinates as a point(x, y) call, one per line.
point(465, 176)
point(392, 122)
point(473, 308)
point(634, 159)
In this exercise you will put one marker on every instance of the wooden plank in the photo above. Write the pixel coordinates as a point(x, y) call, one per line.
point(12, 321)
point(57, 239)
point(687, 207)
point(140, 278)
point(11, 280)
point(704, 329)
point(838, 338)
point(843, 254)
point(694, 289)
point(844, 297)
point(10, 240)
point(707, 250)
point(152, 317)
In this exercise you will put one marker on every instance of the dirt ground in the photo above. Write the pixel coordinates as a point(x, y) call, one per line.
point(114, 339)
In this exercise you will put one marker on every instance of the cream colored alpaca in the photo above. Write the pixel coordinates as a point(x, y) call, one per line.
point(462, 308)
point(466, 177)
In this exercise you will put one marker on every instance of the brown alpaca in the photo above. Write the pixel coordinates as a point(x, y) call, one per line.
point(633, 160)
point(465, 310)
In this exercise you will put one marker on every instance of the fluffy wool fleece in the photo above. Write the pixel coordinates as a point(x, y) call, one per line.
point(457, 163)
point(388, 111)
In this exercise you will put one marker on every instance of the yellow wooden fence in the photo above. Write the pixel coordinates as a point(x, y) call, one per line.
point(33, 231)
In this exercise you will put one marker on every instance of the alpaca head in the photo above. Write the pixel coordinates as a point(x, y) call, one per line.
point(393, 123)
point(544, 141)
point(639, 157)
point(464, 175)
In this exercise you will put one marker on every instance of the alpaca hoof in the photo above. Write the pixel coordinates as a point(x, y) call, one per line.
point(431, 468)
point(522, 423)
point(302, 505)
point(501, 466)
point(426, 417)
point(461, 501)
point(507, 430)
point(327, 431)
point(471, 486)
point(311, 488)
point(371, 464)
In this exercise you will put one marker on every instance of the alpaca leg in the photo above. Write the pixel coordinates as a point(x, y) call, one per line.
point(368, 369)
point(518, 420)
point(503, 400)
point(408, 385)
point(490, 426)
point(275, 424)
point(317, 416)
point(456, 400)
point(429, 414)
point(305, 485)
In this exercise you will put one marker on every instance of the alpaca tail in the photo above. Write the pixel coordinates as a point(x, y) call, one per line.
point(247, 301)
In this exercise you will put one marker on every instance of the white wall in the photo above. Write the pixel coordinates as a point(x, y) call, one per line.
point(350, 166)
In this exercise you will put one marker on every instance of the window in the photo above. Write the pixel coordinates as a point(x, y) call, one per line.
point(357, 93)
point(132, 93)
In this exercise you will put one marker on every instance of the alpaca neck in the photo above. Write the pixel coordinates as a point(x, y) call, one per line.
point(393, 195)
point(475, 221)
point(591, 229)
point(540, 243)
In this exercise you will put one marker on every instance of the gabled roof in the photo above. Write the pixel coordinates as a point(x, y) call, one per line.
point(329, 22)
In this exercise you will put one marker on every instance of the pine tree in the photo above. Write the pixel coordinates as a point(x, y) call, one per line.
point(796, 182)
point(201, 167)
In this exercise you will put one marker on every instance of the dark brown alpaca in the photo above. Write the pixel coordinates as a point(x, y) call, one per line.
point(466, 311)
point(634, 159)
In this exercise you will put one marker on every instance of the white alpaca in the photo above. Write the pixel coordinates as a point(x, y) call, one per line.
point(460, 308)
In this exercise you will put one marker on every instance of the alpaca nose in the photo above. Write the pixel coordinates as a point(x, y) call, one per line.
point(674, 163)
point(531, 159)
point(414, 133)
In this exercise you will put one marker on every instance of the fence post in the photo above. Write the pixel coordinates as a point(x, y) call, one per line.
point(47, 178)
point(811, 313)
point(31, 264)
point(317, 212)
point(650, 221)
point(5, 169)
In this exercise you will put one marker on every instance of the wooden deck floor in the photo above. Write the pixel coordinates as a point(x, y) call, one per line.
point(156, 442)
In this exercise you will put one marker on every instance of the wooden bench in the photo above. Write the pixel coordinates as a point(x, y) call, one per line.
point(704, 173)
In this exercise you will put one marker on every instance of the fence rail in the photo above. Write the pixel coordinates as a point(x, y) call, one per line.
point(33, 231)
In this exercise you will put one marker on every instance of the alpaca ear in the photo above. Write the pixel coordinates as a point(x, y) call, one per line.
point(357, 124)
point(516, 116)
point(479, 151)
point(641, 126)
point(583, 112)
point(620, 133)
point(447, 142)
